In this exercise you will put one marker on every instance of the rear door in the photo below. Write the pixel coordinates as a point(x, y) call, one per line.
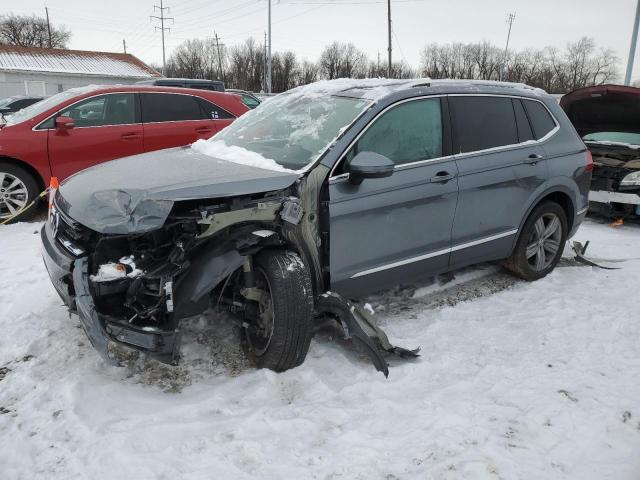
point(500, 168)
point(391, 230)
point(175, 119)
point(105, 127)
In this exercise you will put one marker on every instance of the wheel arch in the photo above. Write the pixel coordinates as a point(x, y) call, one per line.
point(559, 195)
point(29, 168)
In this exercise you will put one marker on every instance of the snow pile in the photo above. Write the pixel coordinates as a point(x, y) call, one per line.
point(537, 381)
point(220, 150)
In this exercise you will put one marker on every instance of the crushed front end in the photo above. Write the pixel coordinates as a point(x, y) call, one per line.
point(134, 289)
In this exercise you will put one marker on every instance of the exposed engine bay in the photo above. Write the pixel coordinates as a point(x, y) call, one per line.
point(613, 163)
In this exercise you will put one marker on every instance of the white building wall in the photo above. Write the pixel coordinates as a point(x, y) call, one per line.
point(23, 83)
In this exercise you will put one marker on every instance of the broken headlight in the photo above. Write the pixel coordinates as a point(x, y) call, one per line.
point(631, 180)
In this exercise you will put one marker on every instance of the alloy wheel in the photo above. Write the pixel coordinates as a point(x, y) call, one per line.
point(544, 243)
point(260, 333)
point(13, 194)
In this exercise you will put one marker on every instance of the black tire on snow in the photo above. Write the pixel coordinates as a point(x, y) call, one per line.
point(292, 298)
point(517, 263)
point(32, 190)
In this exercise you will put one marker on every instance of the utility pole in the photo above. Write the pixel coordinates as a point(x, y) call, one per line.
point(389, 32)
point(218, 45)
point(510, 18)
point(162, 29)
point(269, 53)
point(124, 45)
point(264, 66)
point(632, 49)
point(48, 27)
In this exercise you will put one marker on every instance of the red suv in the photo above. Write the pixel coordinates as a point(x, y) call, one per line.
point(82, 127)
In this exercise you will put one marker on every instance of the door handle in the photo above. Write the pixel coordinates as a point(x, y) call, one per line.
point(204, 130)
point(533, 158)
point(442, 177)
point(131, 136)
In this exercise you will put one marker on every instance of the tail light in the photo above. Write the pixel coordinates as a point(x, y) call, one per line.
point(589, 166)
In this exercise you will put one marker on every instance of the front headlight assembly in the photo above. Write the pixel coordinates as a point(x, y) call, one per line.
point(631, 180)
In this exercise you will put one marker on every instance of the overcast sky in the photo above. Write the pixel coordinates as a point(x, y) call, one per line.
point(305, 26)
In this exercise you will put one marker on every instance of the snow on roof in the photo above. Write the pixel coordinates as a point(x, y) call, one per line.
point(377, 88)
point(55, 60)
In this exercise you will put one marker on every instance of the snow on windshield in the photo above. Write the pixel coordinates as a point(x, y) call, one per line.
point(293, 129)
point(235, 154)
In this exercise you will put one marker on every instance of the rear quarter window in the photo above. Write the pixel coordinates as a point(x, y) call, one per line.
point(212, 111)
point(481, 123)
point(541, 120)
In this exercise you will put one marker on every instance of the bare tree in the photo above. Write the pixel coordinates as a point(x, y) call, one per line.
point(31, 31)
point(581, 64)
point(342, 60)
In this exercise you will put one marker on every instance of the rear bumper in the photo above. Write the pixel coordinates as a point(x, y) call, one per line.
point(70, 277)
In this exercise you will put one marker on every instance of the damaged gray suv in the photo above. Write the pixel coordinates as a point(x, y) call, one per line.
point(329, 191)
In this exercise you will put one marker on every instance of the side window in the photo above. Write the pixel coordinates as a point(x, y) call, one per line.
point(409, 132)
point(524, 128)
point(483, 122)
point(114, 109)
point(169, 107)
point(211, 111)
point(250, 101)
point(540, 119)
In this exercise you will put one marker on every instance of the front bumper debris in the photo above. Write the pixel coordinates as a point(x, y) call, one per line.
point(70, 278)
point(360, 327)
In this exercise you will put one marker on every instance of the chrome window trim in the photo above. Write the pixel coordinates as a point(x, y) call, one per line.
point(435, 253)
point(456, 156)
point(82, 100)
point(233, 117)
point(138, 123)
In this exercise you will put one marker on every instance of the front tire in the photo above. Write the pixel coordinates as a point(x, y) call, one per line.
point(18, 189)
point(280, 338)
point(541, 243)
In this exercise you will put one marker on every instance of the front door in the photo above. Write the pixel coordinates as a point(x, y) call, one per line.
point(105, 128)
point(391, 230)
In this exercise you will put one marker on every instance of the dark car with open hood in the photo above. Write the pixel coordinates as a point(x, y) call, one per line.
point(607, 117)
point(324, 193)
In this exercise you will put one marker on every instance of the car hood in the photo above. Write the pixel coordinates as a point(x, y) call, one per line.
point(603, 108)
point(135, 194)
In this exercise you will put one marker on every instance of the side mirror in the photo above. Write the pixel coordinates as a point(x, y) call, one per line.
point(369, 165)
point(65, 123)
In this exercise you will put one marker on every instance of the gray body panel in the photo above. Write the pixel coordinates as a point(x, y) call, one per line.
point(498, 188)
point(136, 194)
point(390, 220)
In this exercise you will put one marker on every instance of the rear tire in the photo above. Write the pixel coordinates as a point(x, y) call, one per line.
point(18, 189)
point(541, 243)
point(285, 342)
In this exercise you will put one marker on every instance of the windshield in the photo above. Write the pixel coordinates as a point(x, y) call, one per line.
point(293, 129)
point(614, 137)
point(42, 106)
point(6, 101)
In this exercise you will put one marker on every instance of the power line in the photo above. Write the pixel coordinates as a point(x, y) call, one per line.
point(162, 29)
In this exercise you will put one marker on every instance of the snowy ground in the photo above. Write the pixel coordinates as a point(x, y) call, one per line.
point(515, 381)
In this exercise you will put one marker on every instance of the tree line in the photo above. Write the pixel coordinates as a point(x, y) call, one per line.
point(31, 31)
point(579, 64)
